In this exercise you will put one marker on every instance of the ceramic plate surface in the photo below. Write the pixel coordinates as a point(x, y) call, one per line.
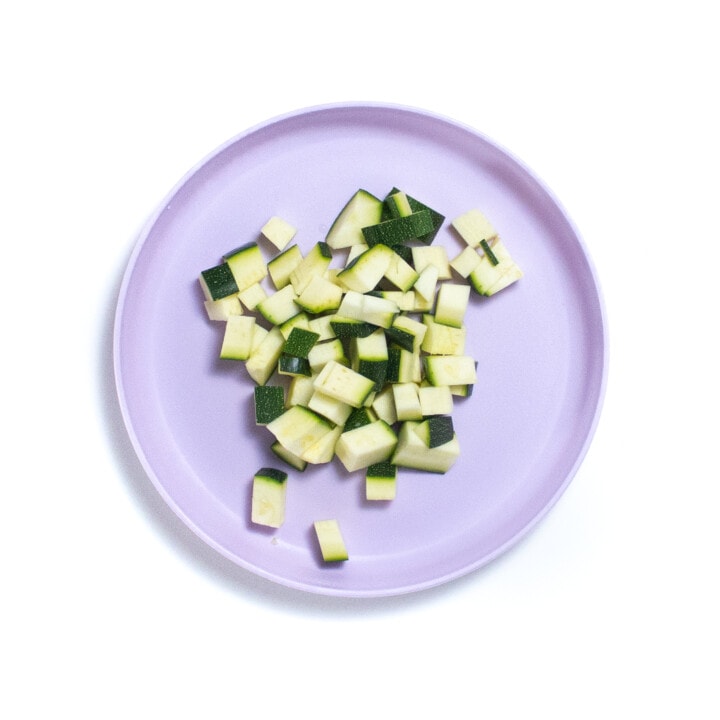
point(540, 347)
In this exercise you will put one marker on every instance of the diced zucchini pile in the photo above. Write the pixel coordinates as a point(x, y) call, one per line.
point(363, 361)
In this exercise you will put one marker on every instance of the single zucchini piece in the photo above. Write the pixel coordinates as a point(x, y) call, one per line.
point(400, 273)
point(281, 266)
point(343, 383)
point(407, 401)
point(279, 232)
point(247, 265)
point(436, 431)
point(268, 497)
point(264, 358)
point(369, 357)
point(432, 255)
point(345, 327)
point(393, 369)
point(397, 205)
point(359, 417)
point(251, 296)
point(301, 320)
point(473, 227)
point(488, 273)
point(465, 262)
point(321, 325)
point(300, 391)
point(417, 206)
point(374, 310)
point(383, 405)
point(366, 445)
point(314, 264)
point(320, 295)
point(218, 282)
point(238, 337)
point(300, 342)
point(286, 456)
point(414, 328)
point(323, 451)
point(331, 408)
point(220, 310)
point(451, 304)
point(269, 403)
point(436, 400)
point(397, 231)
point(280, 306)
point(510, 276)
point(365, 271)
point(443, 339)
point(293, 365)
point(330, 540)
point(450, 369)
point(299, 428)
point(361, 210)
point(322, 353)
point(405, 300)
point(380, 481)
point(412, 452)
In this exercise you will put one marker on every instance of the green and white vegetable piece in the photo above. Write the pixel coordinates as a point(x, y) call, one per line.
point(330, 539)
point(370, 355)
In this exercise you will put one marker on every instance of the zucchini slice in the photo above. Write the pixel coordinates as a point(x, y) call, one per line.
point(269, 403)
point(279, 232)
point(330, 540)
point(268, 497)
point(380, 481)
point(361, 210)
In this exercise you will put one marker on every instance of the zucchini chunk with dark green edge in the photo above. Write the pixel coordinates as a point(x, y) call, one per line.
point(269, 403)
point(268, 497)
point(300, 342)
point(218, 282)
point(330, 539)
point(399, 230)
point(380, 481)
point(436, 430)
point(416, 206)
point(361, 210)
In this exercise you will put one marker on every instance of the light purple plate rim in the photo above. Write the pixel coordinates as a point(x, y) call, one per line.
point(599, 340)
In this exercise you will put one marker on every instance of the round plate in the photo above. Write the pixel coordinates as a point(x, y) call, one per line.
point(540, 347)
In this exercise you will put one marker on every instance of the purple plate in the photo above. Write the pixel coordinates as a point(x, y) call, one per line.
point(540, 347)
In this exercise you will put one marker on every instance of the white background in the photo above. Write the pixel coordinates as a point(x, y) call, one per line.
point(112, 608)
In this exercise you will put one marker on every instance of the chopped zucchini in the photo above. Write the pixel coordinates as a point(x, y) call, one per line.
point(280, 306)
point(366, 270)
point(399, 230)
point(343, 383)
point(238, 336)
point(361, 210)
point(380, 481)
point(218, 282)
point(279, 232)
point(330, 540)
point(300, 342)
point(299, 428)
point(281, 266)
point(314, 264)
point(247, 265)
point(450, 369)
point(268, 497)
point(320, 295)
point(269, 403)
point(473, 227)
point(366, 445)
point(412, 452)
point(451, 304)
point(290, 458)
point(434, 255)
